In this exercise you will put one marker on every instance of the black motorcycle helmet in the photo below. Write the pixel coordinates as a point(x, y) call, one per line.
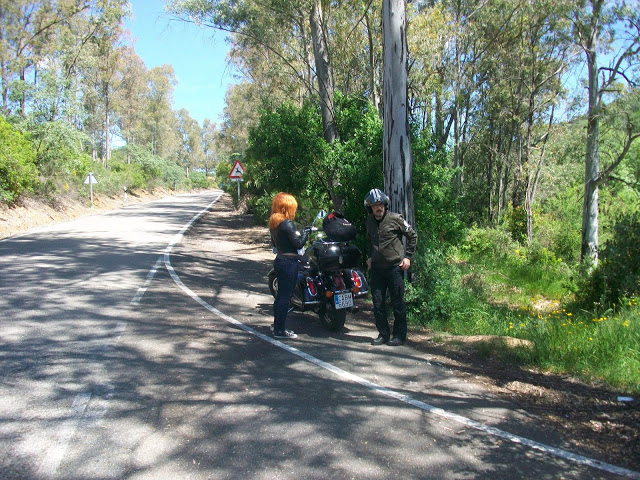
point(375, 195)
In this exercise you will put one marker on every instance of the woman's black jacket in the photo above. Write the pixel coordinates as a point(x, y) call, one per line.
point(286, 239)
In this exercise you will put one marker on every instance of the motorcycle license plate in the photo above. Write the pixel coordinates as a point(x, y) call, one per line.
point(343, 300)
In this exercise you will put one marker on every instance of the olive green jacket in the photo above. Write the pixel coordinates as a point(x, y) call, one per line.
point(384, 239)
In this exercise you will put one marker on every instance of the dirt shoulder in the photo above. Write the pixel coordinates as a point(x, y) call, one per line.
point(588, 415)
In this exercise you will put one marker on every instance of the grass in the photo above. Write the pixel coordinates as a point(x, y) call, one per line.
point(509, 296)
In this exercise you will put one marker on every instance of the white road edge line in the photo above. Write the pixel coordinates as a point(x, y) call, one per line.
point(558, 452)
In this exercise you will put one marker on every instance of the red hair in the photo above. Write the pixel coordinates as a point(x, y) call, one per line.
point(283, 208)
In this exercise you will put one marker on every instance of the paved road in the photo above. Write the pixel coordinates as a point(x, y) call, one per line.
point(130, 352)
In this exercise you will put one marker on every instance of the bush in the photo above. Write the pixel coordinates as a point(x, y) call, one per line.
point(517, 224)
point(128, 175)
point(483, 242)
point(434, 291)
point(198, 180)
point(617, 275)
point(61, 149)
point(18, 172)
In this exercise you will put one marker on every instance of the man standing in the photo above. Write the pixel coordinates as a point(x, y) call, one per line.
point(388, 259)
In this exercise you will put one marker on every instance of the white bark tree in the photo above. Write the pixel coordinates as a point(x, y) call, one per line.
point(397, 159)
point(614, 29)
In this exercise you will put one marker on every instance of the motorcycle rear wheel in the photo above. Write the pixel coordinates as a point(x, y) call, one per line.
point(331, 318)
point(295, 302)
point(273, 283)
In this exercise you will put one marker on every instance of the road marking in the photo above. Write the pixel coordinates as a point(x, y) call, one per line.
point(558, 452)
point(141, 291)
point(55, 453)
point(64, 433)
point(177, 238)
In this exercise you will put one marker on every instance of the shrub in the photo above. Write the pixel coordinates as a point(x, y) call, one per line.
point(433, 293)
point(61, 149)
point(18, 172)
point(517, 222)
point(198, 180)
point(617, 275)
point(482, 242)
point(129, 175)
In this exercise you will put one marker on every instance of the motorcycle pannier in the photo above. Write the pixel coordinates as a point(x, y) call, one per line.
point(338, 228)
point(334, 256)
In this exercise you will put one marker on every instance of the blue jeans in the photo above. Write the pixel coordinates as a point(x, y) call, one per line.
point(287, 274)
point(391, 280)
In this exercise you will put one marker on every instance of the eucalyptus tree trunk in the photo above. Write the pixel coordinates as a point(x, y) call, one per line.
point(323, 72)
point(589, 42)
point(397, 159)
point(372, 66)
point(325, 87)
point(589, 248)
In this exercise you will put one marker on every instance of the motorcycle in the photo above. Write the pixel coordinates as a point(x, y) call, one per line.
point(329, 278)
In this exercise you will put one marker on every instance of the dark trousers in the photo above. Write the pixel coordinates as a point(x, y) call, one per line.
point(287, 273)
point(390, 280)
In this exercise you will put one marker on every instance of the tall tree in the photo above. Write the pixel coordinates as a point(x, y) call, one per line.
point(28, 30)
point(611, 29)
point(397, 159)
point(190, 149)
point(209, 137)
point(159, 133)
point(129, 98)
point(265, 25)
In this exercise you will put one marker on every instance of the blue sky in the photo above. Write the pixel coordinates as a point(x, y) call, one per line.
point(197, 56)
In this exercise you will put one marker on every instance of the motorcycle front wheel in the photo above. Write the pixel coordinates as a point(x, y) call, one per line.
point(331, 318)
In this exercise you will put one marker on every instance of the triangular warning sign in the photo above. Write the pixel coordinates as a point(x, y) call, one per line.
point(237, 171)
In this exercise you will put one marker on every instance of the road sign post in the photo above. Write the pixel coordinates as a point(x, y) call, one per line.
point(236, 174)
point(90, 180)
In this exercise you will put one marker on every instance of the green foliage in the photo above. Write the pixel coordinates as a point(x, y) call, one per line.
point(517, 223)
point(261, 206)
point(198, 180)
point(558, 229)
point(61, 149)
point(358, 156)
point(434, 292)
point(18, 171)
point(617, 275)
point(488, 242)
point(287, 151)
point(172, 175)
point(498, 287)
point(590, 345)
point(130, 175)
point(151, 165)
point(437, 210)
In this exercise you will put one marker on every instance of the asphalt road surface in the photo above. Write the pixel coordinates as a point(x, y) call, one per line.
point(136, 345)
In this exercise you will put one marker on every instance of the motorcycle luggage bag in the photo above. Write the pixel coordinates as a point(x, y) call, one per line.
point(338, 228)
point(336, 255)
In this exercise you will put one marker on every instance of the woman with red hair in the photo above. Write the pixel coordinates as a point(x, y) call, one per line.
point(287, 241)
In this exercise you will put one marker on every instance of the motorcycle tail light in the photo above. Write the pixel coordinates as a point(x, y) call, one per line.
point(312, 287)
point(339, 283)
point(357, 281)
